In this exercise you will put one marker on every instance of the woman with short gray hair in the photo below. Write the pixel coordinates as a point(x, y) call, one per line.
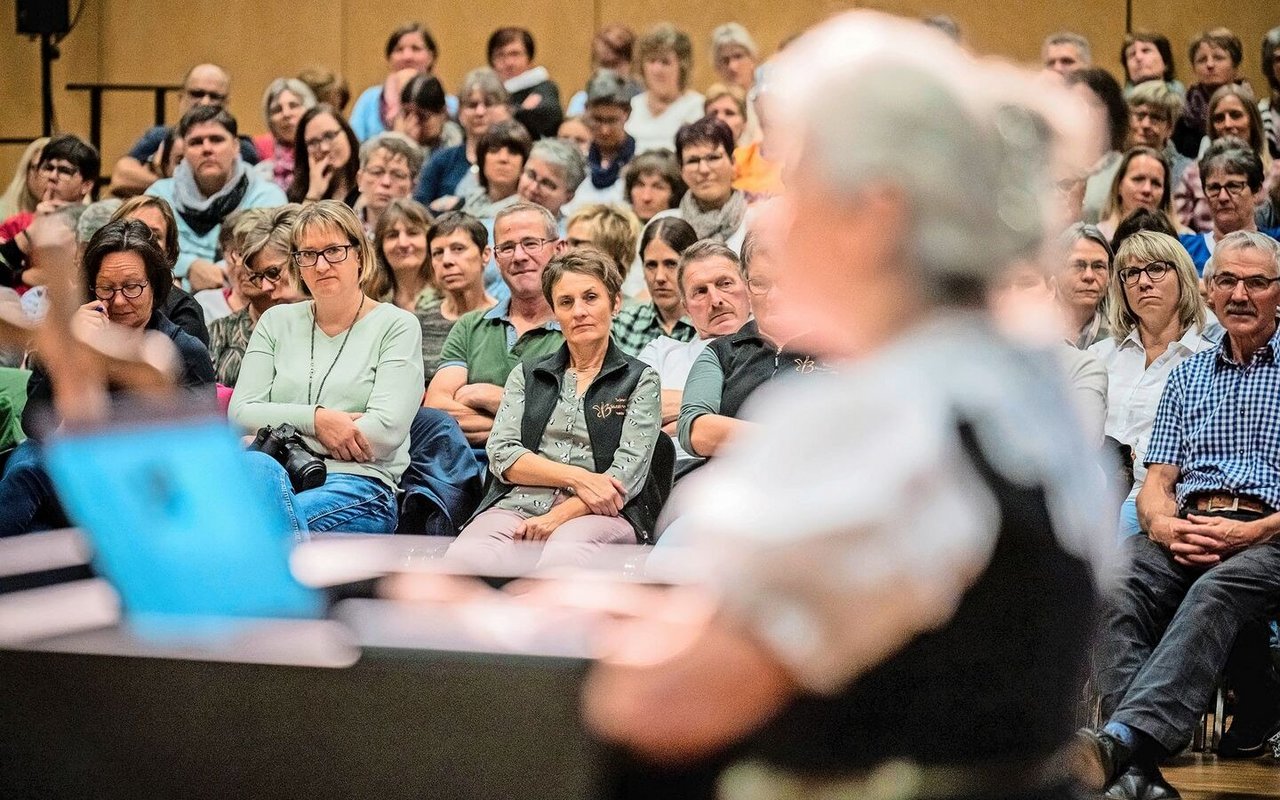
point(867, 550)
point(283, 105)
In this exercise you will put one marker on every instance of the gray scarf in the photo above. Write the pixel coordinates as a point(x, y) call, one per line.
point(718, 224)
point(202, 213)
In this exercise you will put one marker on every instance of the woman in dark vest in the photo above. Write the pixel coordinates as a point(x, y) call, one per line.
point(901, 554)
point(573, 441)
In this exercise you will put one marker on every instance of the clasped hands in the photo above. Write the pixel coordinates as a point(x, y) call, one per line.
point(1203, 541)
point(601, 494)
point(338, 432)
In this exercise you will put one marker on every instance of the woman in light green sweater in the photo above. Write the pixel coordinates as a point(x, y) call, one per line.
point(344, 370)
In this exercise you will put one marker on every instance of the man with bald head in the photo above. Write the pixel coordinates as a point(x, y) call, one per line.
point(203, 85)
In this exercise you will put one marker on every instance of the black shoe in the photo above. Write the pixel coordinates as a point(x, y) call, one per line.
point(1157, 787)
point(1099, 759)
point(1248, 736)
point(1132, 785)
point(1141, 783)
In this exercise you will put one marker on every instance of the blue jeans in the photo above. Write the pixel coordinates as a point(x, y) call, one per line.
point(25, 491)
point(346, 503)
point(1129, 519)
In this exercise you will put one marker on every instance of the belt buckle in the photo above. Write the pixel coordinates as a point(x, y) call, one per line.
point(1215, 505)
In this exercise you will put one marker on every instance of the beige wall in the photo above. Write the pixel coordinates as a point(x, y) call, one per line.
point(156, 40)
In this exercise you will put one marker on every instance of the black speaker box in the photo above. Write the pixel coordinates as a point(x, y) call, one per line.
point(44, 16)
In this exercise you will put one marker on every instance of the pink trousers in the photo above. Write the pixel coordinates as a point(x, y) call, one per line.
point(489, 541)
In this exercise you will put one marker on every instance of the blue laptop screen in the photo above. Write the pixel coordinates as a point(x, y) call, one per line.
point(175, 522)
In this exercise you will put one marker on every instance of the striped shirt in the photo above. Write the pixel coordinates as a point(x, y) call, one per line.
point(1219, 422)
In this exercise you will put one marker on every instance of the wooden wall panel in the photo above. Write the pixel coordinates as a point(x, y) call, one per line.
point(157, 40)
point(1180, 20)
point(20, 81)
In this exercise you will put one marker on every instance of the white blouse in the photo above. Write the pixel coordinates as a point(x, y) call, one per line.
point(1134, 389)
point(852, 519)
point(652, 132)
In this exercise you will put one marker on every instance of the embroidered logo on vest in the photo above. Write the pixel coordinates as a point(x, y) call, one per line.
point(606, 410)
point(805, 365)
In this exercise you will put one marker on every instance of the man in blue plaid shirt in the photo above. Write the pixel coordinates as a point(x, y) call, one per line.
point(1206, 577)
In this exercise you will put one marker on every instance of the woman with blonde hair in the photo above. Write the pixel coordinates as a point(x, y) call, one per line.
point(343, 371)
point(27, 185)
point(1157, 321)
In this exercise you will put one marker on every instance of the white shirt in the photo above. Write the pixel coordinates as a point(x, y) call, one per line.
point(587, 194)
point(652, 133)
point(1134, 389)
point(214, 304)
point(851, 519)
point(672, 359)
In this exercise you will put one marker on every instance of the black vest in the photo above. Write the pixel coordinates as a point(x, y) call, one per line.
point(1000, 682)
point(606, 408)
point(748, 360)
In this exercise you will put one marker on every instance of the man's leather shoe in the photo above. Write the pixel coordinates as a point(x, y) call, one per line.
point(1248, 736)
point(1129, 786)
point(1098, 759)
point(1157, 787)
point(1141, 783)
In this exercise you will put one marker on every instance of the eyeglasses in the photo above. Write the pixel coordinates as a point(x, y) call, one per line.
point(396, 174)
point(1234, 188)
point(533, 246)
point(315, 143)
point(1254, 284)
point(546, 184)
point(760, 286)
point(333, 254)
point(710, 160)
point(272, 275)
point(1156, 271)
point(1148, 116)
point(131, 291)
point(61, 170)
point(1084, 266)
point(201, 94)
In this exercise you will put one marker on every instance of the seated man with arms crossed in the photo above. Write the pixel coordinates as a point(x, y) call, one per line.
point(1207, 573)
point(485, 345)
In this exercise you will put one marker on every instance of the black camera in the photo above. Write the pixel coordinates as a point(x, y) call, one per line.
point(304, 466)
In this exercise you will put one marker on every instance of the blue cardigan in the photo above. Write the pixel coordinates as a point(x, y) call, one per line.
point(441, 175)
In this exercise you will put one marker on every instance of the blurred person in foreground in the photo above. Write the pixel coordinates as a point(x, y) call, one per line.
point(858, 544)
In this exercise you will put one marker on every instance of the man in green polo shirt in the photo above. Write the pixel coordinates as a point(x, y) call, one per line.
point(485, 345)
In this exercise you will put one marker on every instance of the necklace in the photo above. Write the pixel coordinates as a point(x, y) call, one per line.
point(341, 347)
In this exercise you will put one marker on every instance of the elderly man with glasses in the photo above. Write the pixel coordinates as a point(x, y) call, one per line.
point(485, 345)
point(1205, 578)
point(203, 85)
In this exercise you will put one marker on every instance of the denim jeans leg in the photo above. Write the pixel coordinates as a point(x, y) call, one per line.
point(24, 490)
point(1136, 616)
point(349, 504)
point(1176, 683)
point(266, 471)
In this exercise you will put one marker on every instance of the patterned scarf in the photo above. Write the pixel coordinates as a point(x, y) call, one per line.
point(603, 177)
point(718, 224)
point(203, 214)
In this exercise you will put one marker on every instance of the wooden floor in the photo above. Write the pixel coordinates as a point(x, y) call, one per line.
point(1203, 777)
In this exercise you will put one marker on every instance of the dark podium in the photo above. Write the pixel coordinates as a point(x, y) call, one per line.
point(306, 709)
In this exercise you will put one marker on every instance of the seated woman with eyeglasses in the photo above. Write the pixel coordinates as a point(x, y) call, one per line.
point(1232, 176)
point(344, 370)
point(262, 273)
point(1157, 321)
point(128, 278)
point(574, 436)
